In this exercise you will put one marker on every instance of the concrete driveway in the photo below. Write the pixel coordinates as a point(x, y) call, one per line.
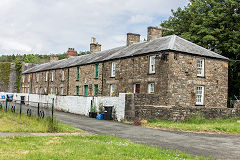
point(213, 145)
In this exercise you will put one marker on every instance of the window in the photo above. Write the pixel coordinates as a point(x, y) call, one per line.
point(51, 90)
point(56, 90)
point(27, 90)
point(53, 75)
point(152, 64)
point(95, 89)
point(29, 78)
point(46, 76)
point(23, 78)
point(112, 90)
point(40, 90)
point(45, 90)
point(62, 91)
point(151, 88)
point(136, 88)
point(63, 75)
point(97, 71)
point(37, 77)
point(85, 90)
point(78, 73)
point(113, 69)
point(77, 90)
point(200, 95)
point(200, 67)
point(36, 90)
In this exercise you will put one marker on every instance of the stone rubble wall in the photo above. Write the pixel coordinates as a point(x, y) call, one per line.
point(178, 113)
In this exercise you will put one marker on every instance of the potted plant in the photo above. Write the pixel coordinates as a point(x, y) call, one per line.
point(93, 113)
point(100, 114)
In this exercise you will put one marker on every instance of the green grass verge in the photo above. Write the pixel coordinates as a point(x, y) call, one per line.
point(12, 122)
point(200, 124)
point(79, 147)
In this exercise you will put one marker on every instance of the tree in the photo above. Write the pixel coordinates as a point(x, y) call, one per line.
point(213, 24)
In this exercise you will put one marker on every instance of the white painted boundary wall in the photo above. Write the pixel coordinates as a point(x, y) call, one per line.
point(75, 104)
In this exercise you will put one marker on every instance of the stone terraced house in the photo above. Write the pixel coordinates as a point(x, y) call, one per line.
point(174, 70)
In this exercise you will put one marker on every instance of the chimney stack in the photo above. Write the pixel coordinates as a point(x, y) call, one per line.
point(71, 52)
point(94, 46)
point(53, 58)
point(153, 33)
point(132, 38)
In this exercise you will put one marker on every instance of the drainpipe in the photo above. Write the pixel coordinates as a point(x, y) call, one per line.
point(68, 83)
point(102, 78)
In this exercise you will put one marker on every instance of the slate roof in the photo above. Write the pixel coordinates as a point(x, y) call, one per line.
point(171, 43)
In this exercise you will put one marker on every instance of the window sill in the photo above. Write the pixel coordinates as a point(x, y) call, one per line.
point(77, 79)
point(112, 77)
point(151, 73)
point(201, 76)
point(96, 77)
point(199, 105)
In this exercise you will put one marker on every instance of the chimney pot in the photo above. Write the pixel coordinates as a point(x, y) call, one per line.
point(71, 52)
point(95, 47)
point(153, 33)
point(132, 38)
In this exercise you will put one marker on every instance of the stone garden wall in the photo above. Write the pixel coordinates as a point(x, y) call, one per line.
point(178, 113)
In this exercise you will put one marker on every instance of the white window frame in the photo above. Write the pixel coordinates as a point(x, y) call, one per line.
point(29, 77)
point(53, 75)
point(113, 69)
point(200, 67)
point(46, 76)
point(45, 90)
point(152, 64)
point(200, 95)
point(37, 77)
point(151, 88)
point(62, 90)
point(112, 90)
point(23, 78)
point(62, 74)
point(56, 90)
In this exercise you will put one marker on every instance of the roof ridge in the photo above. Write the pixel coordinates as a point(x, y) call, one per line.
point(172, 42)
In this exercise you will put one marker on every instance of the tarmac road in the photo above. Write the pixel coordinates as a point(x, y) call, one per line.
point(217, 146)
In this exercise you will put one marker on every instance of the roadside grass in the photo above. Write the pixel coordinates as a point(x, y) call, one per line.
point(199, 124)
point(12, 122)
point(81, 147)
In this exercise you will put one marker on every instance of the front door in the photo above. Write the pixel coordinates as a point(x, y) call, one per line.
point(86, 90)
point(137, 88)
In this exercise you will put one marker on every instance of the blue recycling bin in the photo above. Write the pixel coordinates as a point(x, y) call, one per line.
point(100, 116)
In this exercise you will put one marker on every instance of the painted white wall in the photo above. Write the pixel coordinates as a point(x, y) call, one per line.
point(74, 104)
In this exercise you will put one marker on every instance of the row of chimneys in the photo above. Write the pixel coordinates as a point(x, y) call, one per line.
point(153, 32)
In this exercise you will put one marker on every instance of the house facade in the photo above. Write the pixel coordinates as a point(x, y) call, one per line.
point(173, 69)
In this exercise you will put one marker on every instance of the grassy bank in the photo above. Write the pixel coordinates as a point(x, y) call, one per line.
point(12, 122)
point(78, 147)
point(199, 124)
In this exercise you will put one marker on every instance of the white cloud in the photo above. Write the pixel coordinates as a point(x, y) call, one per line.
point(140, 19)
point(41, 26)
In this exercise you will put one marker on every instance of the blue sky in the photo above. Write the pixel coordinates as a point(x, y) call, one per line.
point(53, 26)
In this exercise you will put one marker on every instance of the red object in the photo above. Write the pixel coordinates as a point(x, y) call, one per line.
point(71, 52)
